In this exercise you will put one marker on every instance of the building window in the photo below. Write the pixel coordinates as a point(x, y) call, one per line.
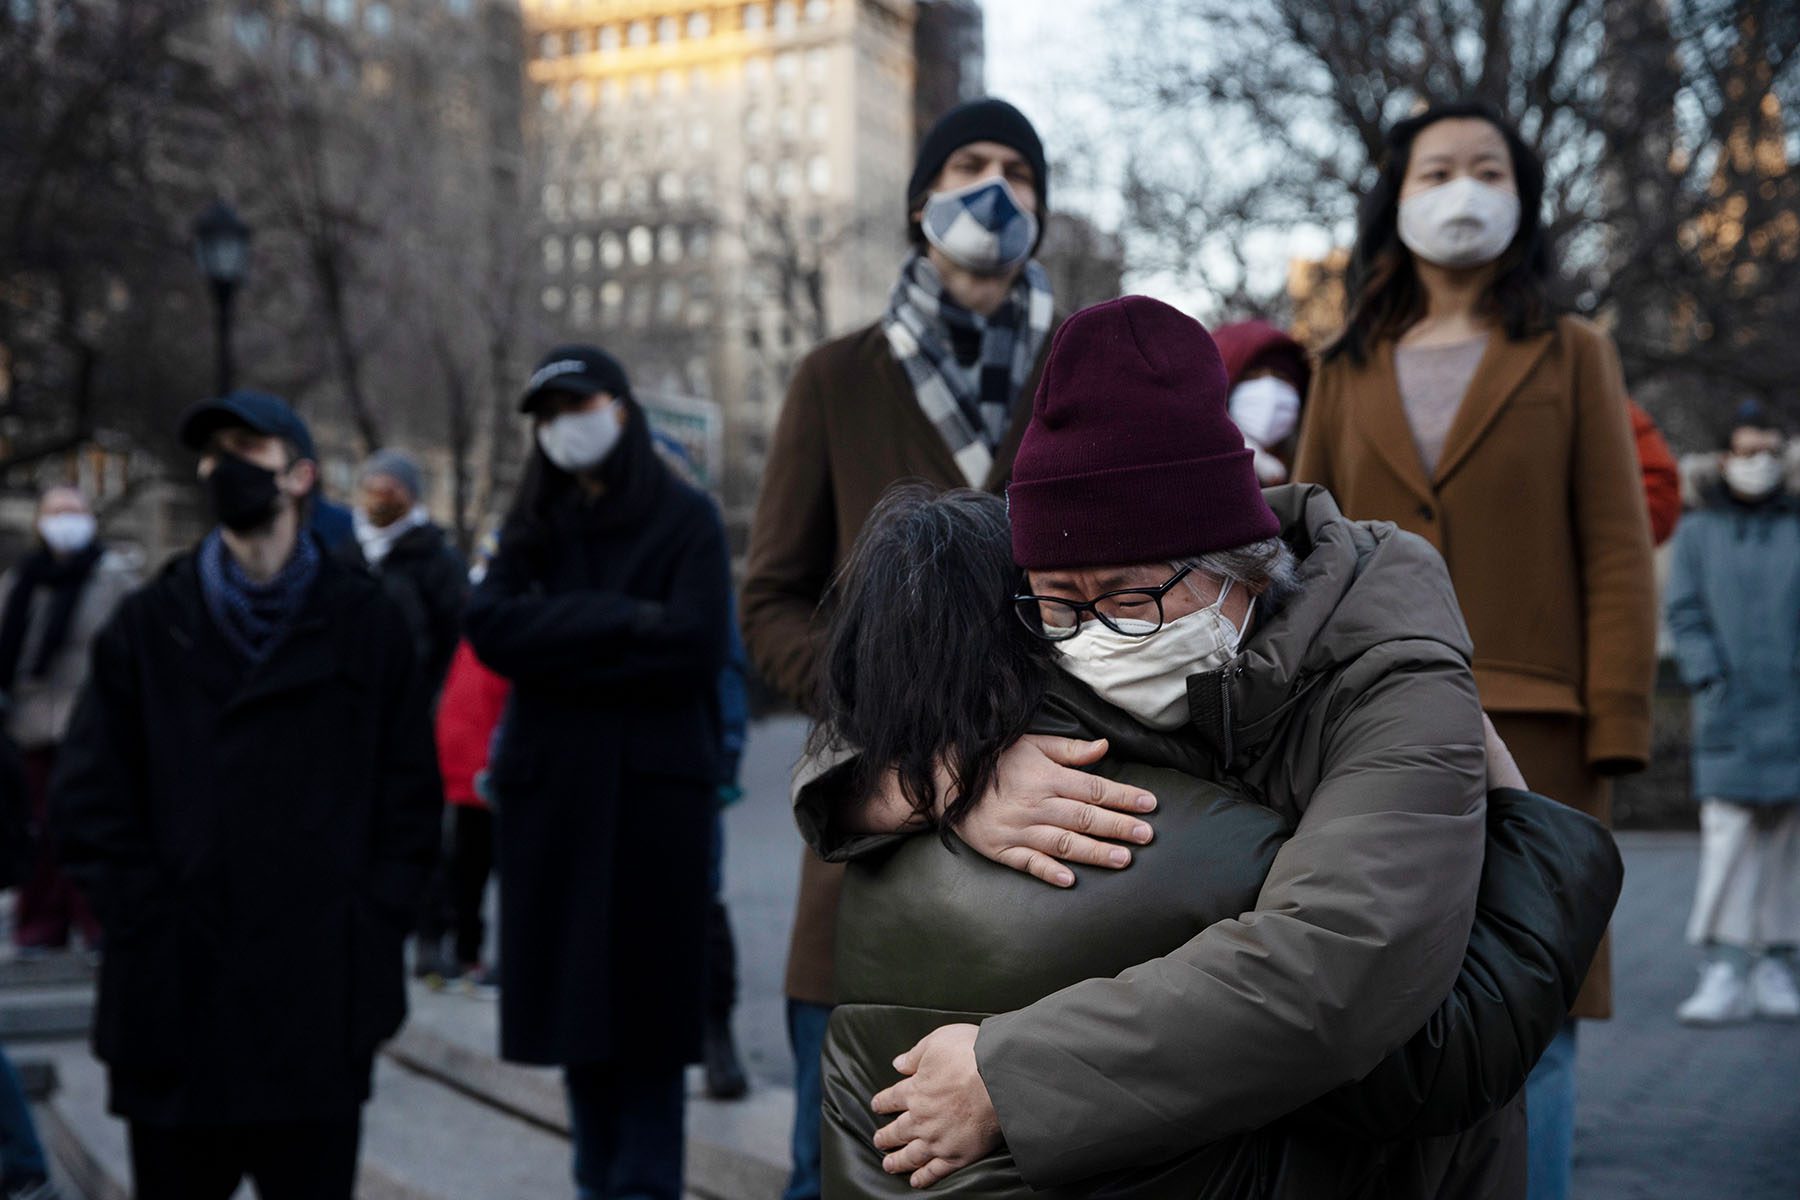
point(306, 55)
point(613, 91)
point(642, 244)
point(756, 123)
point(581, 305)
point(699, 243)
point(787, 16)
point(818, 64)
point(756, 72)
point(756, 178)
point(787, 179)
point(553, 201)
point(787, 66)
point(818, 121)
point(251, 31)
point(552, 299)
point(581, 253)
point(612, 251)
point(668, 82)
point(553, 255)
point(637, 192)
point(637, 307)
point(668, 29)
point(640, 87)
point(699, 135)
point(817, 10)
point(549, 46)
point(668, 244)
point(581, 95)
point(612, 299)
point(638, 33)
point(789, 123)
point(697, 81)
point(611, 193)
point(341, 11)
point(551, 98)
point(578, 41)
point(700, 189)
point(609, 38)
point(459, 8)
point(668, 188)
point(818, 175)
point(754, 17)
point(668, 306)
point(699, 25)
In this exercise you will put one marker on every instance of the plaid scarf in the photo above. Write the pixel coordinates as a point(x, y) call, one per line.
point(254, 616)
point(971, 409)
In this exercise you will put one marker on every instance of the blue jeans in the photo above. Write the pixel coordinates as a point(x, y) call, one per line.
point(1550, 1119)
point(21, 1154)
point(626, 1127)
point(806, 1034)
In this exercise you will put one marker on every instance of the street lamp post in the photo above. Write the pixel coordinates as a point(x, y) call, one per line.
point(222, 246)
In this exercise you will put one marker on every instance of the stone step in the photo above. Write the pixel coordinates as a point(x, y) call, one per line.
point(426, 1137)
point(66, 968)
point(735, 1150)
point(46, 1013)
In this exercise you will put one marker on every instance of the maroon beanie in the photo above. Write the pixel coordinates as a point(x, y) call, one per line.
point(1131, 456)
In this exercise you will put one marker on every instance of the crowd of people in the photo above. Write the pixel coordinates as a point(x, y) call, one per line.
point(1244, 636)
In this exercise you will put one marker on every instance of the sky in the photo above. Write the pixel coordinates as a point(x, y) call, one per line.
point(1042, 54)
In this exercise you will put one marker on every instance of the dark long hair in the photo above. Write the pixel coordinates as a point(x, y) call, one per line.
point(924, 662)
point(633, 476)
point(1385, 296)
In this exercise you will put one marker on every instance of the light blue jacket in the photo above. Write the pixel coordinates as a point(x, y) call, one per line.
point(1733, 606)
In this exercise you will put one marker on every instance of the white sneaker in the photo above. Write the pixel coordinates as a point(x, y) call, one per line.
point(1722, 998)
point(1772, 991)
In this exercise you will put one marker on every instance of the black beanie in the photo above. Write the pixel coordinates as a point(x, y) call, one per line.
point(984, 120)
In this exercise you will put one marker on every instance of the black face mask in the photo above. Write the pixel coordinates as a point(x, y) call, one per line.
point(242, 494)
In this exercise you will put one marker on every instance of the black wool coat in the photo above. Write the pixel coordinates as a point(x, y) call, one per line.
point(425, 576)
point(255, 839)
point(610, 617)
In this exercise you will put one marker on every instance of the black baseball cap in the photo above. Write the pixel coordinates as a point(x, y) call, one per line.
point(258, 412)
point(583, 370)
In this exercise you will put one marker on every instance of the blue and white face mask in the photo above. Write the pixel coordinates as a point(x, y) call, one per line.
point(981, 227)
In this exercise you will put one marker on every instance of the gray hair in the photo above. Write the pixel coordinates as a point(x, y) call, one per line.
point(1269, 569)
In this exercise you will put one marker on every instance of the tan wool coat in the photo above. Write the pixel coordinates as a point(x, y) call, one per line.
point(1538, 508)
point(850, 428)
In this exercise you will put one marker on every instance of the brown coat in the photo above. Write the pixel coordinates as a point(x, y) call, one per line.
point(1538, 509)
point(851, 427)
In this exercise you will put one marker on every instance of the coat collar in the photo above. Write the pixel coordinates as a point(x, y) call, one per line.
point(311, 651)
point(1504, 367)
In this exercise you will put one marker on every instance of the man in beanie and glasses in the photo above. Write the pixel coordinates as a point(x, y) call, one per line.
point(937, 389)
point(1318, 663)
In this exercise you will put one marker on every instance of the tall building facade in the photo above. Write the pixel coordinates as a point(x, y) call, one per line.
point(719, 186)
point(950, 48)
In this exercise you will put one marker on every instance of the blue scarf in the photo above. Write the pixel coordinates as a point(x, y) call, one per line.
point(254, 616)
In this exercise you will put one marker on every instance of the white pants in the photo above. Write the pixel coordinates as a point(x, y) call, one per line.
point(1749, 889)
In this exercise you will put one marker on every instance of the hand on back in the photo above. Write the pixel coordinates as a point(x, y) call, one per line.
point(1044, 811)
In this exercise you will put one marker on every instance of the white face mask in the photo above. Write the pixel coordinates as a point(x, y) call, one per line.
point(981, 227)
point(1463, 223)
point(68, 533)
point(1266, 409)
point(1754, 476)
point(580, 441)
point(1147, 676)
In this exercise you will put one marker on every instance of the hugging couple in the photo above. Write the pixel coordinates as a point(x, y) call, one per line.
point(1346, 930)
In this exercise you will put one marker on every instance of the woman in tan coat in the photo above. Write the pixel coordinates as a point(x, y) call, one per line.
point(1456, 404)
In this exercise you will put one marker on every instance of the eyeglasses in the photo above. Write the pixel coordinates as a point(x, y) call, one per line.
point(1134, 612)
